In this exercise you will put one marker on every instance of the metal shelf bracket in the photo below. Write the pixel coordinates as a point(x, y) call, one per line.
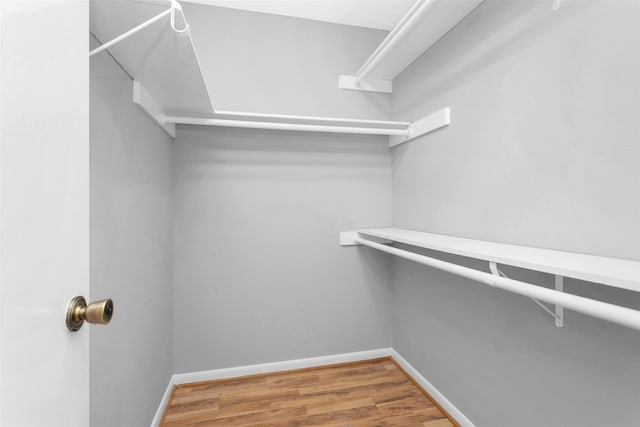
point(558, 313)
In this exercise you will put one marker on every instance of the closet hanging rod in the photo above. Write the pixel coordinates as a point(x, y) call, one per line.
point(171, 11)
point(602, 310)
point(285, 126)
point(426, 22)
point(129, 33)
point(394, 37)
point(285, 117)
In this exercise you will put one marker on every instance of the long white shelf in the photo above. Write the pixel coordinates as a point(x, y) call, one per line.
point(170, 87)
point(302, 127)
point(164, 62)
point(169, 84)
point(316, 120)
point(423, 25)
point(614, 272)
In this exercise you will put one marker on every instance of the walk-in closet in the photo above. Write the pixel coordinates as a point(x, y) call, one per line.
point(319, 213)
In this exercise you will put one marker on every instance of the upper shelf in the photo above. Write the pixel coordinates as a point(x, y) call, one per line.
point(169, 84)
point(613, 272)
point(164, 62)
point(421, 27)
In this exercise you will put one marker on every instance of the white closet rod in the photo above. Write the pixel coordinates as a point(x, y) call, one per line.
point(284, 126)
point(131, 32)
point(610, 312)
point(235, 114)
point(393, 38)
point(171, 11)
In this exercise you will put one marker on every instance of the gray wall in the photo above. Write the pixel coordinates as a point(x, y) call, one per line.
point(258, 273)
point(542, 151)
point(275, 64)
point(130, 252)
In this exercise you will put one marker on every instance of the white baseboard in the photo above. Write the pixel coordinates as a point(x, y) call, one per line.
point(455, 413)
point(163, 404)
point(289, 365)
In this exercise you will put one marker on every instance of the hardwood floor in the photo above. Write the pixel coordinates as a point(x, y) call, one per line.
point(373, 393)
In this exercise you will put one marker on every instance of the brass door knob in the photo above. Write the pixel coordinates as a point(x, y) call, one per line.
point(98, 312)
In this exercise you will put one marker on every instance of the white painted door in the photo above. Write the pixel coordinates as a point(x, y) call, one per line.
point(44, 211)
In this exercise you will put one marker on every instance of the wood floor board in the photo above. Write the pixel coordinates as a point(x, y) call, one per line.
point(353, 384)
point(325, 399)
point(414, 382)
point(407, 404)
point(398, 393)
point(185, 418)
point(291, 381)
point(345, 417)
point(198, 405)
point(339, 405)
point(438, 423)
point(360, 394)
point(195, 396)
point(255, 402)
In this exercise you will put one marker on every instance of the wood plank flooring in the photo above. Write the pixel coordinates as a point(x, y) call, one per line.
point(374, 393)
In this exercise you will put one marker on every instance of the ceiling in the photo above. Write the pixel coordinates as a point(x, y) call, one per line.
point(379, 14)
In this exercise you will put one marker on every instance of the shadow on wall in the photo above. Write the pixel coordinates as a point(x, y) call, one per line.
point(307, 155)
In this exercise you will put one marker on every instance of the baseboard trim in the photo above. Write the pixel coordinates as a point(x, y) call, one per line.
point(312, 362)
point(289, 365)
point(451, 409)
point(157, 419)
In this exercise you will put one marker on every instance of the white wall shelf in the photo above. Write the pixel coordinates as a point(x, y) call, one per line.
point(291, 118)
point(169, 84)
point(398, 132)
point(144, 100)
point(311, 124)
point(421, 27)
point(425, 125)
point(613, 272)
point(163, 61)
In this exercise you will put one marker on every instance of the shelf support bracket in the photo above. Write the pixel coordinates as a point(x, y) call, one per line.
point(425, 125)
point(145, 101)
point(559, 282)
point(366, 85)
point(558, 313)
